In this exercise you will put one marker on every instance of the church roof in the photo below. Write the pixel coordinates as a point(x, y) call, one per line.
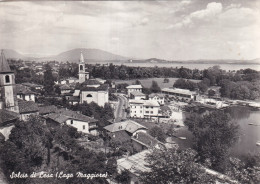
point(4, 66)
point(91, 82)
point(103, 87)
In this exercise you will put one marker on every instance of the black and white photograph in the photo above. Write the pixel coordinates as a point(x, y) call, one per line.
point(130, 92)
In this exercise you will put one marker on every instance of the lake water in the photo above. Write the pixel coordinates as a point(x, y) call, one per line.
point(198, 66)
point(249, 134)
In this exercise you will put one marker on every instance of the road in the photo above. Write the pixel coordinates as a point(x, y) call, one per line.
point(120, 108)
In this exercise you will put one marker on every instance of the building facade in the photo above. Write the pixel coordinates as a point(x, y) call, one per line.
point(133, 88)
point(83, 75)
point(144, 109)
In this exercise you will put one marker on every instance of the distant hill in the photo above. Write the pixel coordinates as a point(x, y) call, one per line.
point(89, 54)
point(12, 54)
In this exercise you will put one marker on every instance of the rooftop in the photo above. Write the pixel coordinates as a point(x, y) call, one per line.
point(135, 163)
point(7, 116)
point(21, 89)
point(27, 106)
point(146, 139)
point(145, 102)
point(103, 87)
point(156, 94)
point(65, 87)
point(61, 115)
point(127, 125)
point(90, 82)
point(179, 91)
point(47, 109)
point(137, 93)
point(134, 87)
point(4, 66)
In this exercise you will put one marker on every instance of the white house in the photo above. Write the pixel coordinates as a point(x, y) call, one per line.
point(144, 108)
point(133, 88)
point(137, 95)
point(79, 121)
point(157, 97)
point(24, 93)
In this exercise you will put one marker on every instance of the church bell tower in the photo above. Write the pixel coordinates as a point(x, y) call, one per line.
point(8, 99)
point(83, 75)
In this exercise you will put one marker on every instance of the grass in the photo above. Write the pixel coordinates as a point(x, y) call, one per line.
point(148, 82)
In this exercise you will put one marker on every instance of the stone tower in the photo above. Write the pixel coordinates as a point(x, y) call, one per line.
point(83, 75)
point(8, 99)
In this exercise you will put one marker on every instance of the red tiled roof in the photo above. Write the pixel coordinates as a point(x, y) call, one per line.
point(47, 109)
point(145, 139)
point(27, 107)
point(7, 116)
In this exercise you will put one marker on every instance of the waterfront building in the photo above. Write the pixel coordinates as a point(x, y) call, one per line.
point(181, 94)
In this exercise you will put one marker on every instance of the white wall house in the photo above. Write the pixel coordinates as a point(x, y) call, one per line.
point(99, 97)
point(144, 109)
point(79, 121)
point(133, 88)
point(157, 97)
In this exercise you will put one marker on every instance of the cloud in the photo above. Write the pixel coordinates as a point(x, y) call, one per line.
point(212, 10)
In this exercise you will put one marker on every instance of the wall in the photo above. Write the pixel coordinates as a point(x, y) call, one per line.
point(136, 111)
point(99, 97)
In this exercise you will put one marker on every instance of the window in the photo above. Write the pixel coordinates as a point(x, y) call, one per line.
point(141, 111)
point(151, 112)
point(7, 79)
point(89, 95)
point(84, 127)
point(147, 112)
point(71, 122)
point(81, 67)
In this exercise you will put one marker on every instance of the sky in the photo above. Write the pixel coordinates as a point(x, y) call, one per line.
point(172, 30)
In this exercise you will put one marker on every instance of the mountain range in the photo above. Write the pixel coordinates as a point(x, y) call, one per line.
point(99, 56)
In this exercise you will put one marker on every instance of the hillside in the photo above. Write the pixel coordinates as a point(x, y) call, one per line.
point(12, 54)
point(89, 54)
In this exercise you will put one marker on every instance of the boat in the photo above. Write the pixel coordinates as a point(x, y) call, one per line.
point(250, 123)
point(182, 138)
point(258, 143)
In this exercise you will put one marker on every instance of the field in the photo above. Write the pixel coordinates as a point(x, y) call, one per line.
point(148, 82)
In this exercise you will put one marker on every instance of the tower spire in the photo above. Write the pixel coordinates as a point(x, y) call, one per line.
point(4, 66)
point(81, 60)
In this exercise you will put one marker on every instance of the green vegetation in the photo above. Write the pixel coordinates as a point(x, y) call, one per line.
point(214, 135)
point(174, 166)
point(48, 80)
point(33, 147)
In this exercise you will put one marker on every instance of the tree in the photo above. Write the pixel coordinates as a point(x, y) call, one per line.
point(123, 177)
point(174, 166)
point(48, 80)
point(155, 87)
point(157, 133)
point(214, 135)
point(166, 80)
point(211, 92)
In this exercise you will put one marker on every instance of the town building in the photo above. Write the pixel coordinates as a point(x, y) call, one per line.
point(24, 93)
point(27, 109)
point(65, 89)
point(129, 126)
point(137, 95)
point(181, 94)
point(157, 97)
point(133, 88)
point(142, 141)
point(77, 120)
point(144, 109)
